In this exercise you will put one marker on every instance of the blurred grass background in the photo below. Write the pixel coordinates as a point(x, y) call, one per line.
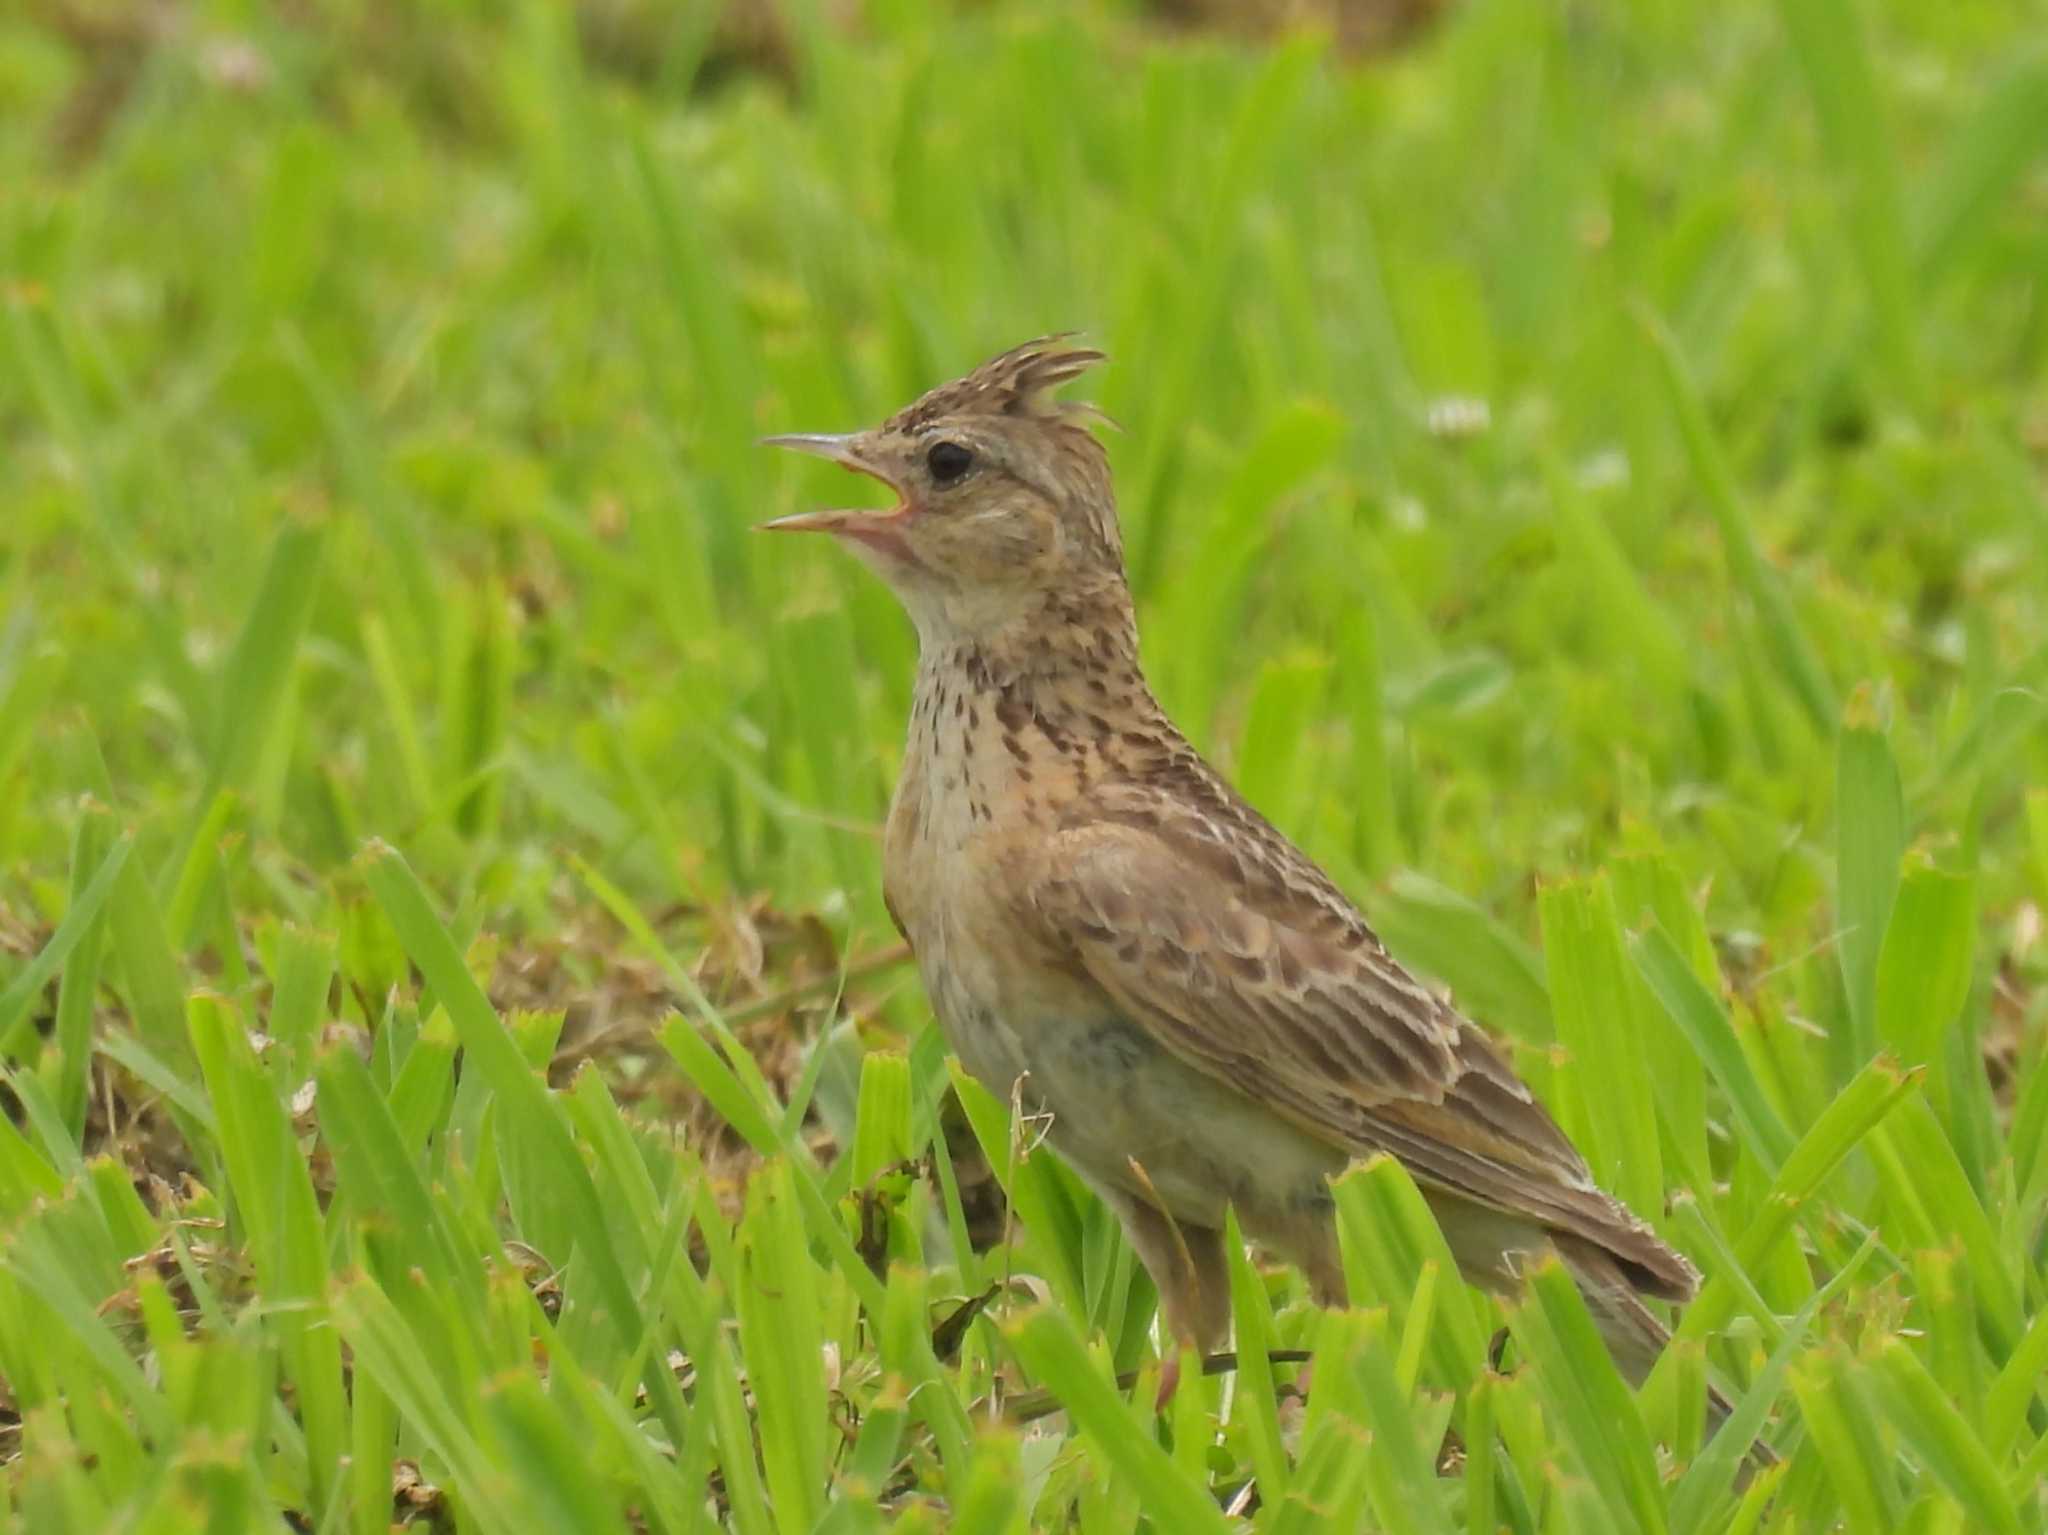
point(1543, 433)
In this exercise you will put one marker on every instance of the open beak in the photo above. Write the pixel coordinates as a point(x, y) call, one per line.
point(840, 449)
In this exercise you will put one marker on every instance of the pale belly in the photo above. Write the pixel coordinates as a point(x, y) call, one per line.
point(1113, 1096)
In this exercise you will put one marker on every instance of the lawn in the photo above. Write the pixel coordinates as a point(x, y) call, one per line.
point(1585, 474)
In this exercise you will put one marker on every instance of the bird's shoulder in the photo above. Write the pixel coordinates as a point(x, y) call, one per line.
point(1181, 821)
point(1230, 943)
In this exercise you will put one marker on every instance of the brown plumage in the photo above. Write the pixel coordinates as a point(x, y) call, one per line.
point(1097, 914)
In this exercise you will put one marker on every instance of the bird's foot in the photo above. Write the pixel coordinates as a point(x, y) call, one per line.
point(1169, 1380)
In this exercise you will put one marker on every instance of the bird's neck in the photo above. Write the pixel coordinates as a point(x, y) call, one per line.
point(1051, 657)
point(1034, 707)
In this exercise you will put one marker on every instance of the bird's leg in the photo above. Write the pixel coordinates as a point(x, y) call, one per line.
point(1191, 1273)
point(1169, 1379)
point(1304, 1231)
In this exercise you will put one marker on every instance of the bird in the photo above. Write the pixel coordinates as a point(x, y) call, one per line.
point(1113, 938)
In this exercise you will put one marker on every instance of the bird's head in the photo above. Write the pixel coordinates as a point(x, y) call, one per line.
point(1004, 502)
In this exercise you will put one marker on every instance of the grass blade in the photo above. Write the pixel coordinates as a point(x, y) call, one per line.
point(1254, 1407)
point(524, 1104)
point(1871, 836)
point(1608, 1064)
point(1705, 1026)
point(1045, 1341)
point(1827, 38)
point(1791, 651)
point(1595, 1408)
point(78, 921)
point(1924, 964)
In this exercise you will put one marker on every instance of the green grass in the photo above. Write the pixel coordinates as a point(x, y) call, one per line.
point(392, 702)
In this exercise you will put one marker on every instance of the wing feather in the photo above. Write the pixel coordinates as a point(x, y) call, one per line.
point(1262, 974)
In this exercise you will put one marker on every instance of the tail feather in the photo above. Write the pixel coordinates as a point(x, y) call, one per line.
point(1635, 1336)
point(1492, 1248)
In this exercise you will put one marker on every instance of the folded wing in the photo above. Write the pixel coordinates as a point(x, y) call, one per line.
point(1242, 959)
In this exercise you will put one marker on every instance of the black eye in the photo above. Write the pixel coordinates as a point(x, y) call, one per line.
point(948, 461)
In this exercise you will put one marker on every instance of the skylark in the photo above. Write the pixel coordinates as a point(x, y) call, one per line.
point(1204, 1017)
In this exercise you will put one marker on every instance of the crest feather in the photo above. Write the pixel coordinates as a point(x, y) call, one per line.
point(1019, 382)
